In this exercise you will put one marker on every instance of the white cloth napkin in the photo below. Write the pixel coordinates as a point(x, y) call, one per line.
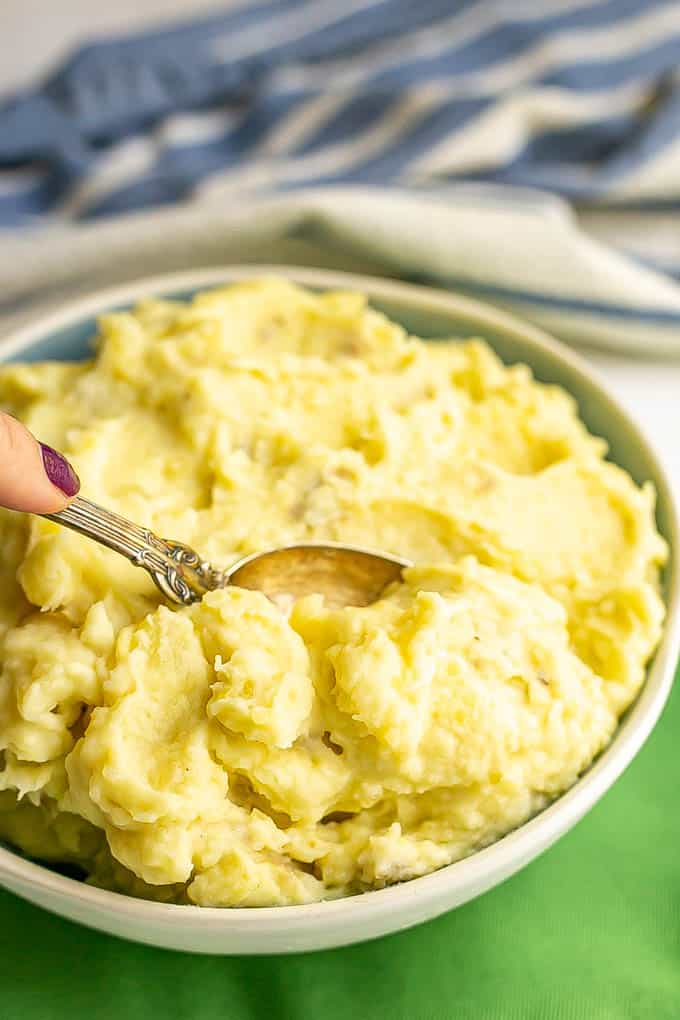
point(495, 245)
point(519, 249)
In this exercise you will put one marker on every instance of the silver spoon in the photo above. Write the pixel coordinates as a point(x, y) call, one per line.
point(345, 575)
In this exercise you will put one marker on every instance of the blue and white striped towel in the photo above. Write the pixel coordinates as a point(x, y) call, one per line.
point(306, 109)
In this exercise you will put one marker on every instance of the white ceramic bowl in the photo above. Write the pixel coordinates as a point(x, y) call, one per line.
point(322, 925)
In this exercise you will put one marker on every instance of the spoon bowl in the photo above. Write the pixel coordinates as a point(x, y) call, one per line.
point(343, 574)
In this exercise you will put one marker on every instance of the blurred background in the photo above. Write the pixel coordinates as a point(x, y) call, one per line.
point(580, 98)
point(525, 152)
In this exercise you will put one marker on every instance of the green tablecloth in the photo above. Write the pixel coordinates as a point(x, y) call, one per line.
point(590, 931)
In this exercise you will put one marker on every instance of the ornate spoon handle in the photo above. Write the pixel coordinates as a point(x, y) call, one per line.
point(178, 570)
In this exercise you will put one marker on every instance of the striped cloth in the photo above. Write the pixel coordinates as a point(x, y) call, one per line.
point(578, 98)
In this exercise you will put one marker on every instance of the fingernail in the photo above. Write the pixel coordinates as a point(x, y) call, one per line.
point(59, 471)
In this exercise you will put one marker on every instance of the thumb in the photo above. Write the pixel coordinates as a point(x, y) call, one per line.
point(33, 477)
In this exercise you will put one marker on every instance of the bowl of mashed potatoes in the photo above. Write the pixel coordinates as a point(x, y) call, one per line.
point(232, 777)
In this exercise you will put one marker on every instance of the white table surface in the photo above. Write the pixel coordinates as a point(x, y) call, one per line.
point(34, 34)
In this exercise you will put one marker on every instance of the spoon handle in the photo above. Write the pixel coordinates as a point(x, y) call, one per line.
point(176, 569)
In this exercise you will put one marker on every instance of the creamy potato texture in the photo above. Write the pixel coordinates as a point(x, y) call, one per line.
point(232, 754)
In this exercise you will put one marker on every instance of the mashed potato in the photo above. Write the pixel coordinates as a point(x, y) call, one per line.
point(228, 754)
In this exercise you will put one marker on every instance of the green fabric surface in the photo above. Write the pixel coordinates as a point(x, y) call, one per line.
point(590, 931)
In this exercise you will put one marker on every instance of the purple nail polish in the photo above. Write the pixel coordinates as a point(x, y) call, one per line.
point(59, 471)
